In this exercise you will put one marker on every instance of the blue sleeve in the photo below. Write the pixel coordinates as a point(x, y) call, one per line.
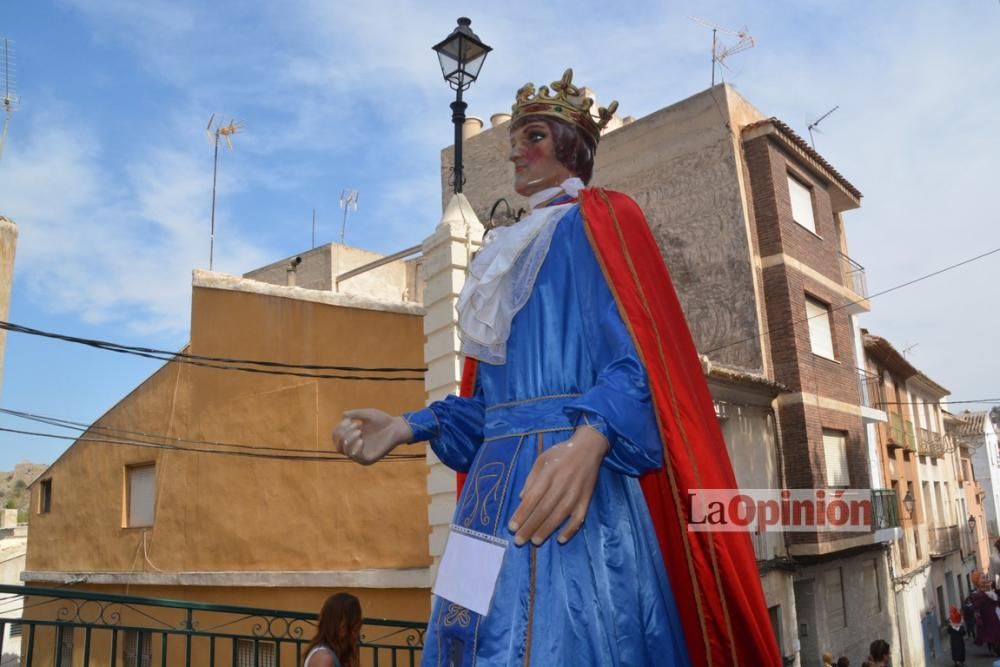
point(453, 427)
point(619, 404)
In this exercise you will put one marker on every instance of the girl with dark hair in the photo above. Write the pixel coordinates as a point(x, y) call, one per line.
point(338, 634)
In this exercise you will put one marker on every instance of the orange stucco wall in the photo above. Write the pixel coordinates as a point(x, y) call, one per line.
point(231, 513)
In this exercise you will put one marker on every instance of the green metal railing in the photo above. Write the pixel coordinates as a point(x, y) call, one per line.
point(128, 631)
point(885, 509)
point(901, 432)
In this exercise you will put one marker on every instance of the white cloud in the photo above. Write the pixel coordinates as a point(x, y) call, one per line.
point(113, 245)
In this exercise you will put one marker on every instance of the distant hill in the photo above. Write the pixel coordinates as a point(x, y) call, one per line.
point(14, 486)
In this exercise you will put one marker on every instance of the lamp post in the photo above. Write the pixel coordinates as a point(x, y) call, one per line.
point(461, 55)
point(909, 502)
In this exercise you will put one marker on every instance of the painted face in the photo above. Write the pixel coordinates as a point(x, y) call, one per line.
point(533, 152)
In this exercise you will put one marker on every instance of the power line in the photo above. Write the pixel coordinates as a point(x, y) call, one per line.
point(246, 365)
point(198, 450)
point(792, 323)
point(120, 432)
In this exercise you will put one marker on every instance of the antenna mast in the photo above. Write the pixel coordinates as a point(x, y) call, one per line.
point(9, 100)
point(812, 125)
point(225, 131)
point(720, 51)
point(348, 201)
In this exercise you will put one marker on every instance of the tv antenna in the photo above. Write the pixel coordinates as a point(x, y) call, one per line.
point(348, 202)
point(9, 100)
point(225, 132)
point(812, 126)
point(720, 51)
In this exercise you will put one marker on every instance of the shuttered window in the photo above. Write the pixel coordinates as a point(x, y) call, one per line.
point(833, 588)
point(141, 495)
point(820, 335)
point(802, 203)
point(835, 452)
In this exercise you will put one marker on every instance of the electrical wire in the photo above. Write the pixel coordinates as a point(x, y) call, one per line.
point(120, 432)
point(792, 323)
point(246, 365)
point(332, 458)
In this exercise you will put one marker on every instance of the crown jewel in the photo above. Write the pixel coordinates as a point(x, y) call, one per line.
point(564, 101)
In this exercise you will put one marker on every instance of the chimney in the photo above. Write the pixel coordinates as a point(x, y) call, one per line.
point(499, 119)
point(471, 127)
point(291, 271)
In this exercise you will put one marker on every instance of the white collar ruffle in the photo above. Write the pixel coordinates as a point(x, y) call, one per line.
point(503, 273)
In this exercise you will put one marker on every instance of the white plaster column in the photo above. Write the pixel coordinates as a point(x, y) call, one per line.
point(8, 246)
point(447, 253)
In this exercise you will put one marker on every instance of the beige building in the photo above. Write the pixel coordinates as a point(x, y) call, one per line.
point(190, 516)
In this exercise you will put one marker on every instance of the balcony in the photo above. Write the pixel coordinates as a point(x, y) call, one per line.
point(930, 444)
point(112, 629)
point(854, 280)
point(901, 433)
point(872, 395)
point(943, 540)
point(885, 509)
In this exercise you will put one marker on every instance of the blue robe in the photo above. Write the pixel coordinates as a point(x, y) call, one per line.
point(603, 598)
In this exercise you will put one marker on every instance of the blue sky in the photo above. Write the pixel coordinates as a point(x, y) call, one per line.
point(107, 170)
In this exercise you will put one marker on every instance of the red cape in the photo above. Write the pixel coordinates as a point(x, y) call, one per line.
point(713, 576)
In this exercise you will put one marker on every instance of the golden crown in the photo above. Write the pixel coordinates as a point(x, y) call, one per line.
point(568, 103)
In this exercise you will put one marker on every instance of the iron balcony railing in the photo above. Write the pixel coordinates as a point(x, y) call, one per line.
point(930, 443)
point(870, 390)
point(944, 540)
point(64, 628)
point(885, 509)
point(854, 276)
point(901, 432)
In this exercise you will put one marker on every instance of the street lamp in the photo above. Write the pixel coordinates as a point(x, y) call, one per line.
point(909, 502)
point(972, 526)
point(461, 55)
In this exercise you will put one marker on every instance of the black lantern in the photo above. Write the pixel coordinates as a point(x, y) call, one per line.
point(972, 525)
point(909, 502)
point(461, 55)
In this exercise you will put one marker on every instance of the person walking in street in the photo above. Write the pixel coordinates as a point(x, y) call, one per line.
point(956, 633)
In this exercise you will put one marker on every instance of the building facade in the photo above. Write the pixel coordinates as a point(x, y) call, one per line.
point(203, 483)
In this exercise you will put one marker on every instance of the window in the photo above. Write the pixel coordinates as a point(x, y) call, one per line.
point(802, 203)
point(138, 649)
point(835, 451)
point(15, 629)
point(245, 649)
point(870, 587)
point(141, 493)
point(820, 335)
point(774, 613)
point(45, 496)
point(833, 588)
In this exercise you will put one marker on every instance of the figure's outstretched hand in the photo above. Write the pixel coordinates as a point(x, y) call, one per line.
point(559, 486)
point(367, 435)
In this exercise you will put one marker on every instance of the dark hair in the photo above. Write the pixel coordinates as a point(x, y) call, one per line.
point(574, 149)
point(843, 661)
point(879, 650)
point(997, 544)
point(340, 628)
